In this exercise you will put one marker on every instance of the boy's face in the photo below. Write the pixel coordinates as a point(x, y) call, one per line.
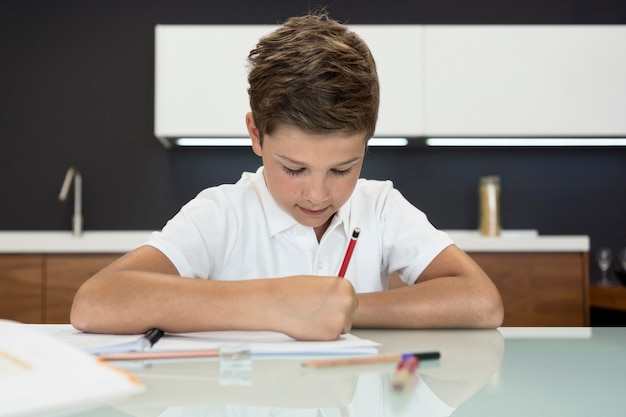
point(309, 176)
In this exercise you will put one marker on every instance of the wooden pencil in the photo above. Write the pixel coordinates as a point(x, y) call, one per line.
point(138, 356)
point(365, 360)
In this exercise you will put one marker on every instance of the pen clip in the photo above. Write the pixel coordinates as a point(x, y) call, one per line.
point(150, 338)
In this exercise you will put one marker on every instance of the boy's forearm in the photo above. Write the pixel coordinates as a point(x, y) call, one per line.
point(125, 302)
point(135, 301)
point(437, 303)
point(314, 308)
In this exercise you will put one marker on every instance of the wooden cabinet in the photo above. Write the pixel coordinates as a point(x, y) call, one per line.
point(40, 288)
point(540, 289)
point(537, 288)
point(21, 288)
point(610, 298)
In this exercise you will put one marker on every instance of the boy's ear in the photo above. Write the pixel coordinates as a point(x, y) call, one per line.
point(254, 134)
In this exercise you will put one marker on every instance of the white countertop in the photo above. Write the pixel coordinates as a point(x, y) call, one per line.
point(519, 241)
point(64, 242)
point(124, 241)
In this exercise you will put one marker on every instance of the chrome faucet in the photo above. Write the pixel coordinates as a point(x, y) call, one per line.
point(77, 218)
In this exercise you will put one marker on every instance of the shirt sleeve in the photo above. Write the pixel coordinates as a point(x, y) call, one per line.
point(410, 241)
point(195, 239)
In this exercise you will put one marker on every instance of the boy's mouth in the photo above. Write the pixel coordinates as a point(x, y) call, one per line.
point(312, 212)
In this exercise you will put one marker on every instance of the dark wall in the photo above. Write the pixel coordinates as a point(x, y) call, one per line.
point(76, 88)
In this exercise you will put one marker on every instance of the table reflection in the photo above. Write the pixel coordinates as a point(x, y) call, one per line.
point(282, 387)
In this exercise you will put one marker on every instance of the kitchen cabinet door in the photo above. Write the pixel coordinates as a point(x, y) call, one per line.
point(522, 80)
point(201, 71)
point(21, 288)
point(540, 289)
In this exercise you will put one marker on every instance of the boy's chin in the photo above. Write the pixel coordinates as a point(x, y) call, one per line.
point(314, 223)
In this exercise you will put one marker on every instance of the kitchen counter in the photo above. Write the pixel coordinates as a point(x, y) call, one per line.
point(519, 241)
point(124, 241)
point(65, 242)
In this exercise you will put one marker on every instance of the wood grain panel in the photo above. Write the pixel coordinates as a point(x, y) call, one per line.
point(21, 288)
point(612, 298)
point(64, 274)
point(540, 289)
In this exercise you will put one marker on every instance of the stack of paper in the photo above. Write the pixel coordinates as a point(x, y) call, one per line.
point(259, 343)
point(268, 343)
point(40, 374)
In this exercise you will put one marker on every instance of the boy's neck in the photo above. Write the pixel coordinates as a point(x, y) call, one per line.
point(320, 230)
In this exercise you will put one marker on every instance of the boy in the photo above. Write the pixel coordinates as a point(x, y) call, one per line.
point(314, 100)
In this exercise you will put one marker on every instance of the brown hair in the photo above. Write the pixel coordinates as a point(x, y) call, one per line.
point(314, 74)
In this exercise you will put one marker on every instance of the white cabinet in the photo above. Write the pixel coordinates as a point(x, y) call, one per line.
point(436, 80)
point(201, 78)
point(555, 80)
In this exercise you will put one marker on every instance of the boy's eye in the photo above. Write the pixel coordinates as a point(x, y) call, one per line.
point(293, 171)
point(342, 172)
point(338, 172)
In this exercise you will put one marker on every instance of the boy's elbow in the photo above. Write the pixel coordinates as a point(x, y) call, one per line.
point(492, 311)
point(82, 315)
point(78, 317)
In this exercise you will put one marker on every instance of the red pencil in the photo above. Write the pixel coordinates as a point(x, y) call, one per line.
point(346, 258)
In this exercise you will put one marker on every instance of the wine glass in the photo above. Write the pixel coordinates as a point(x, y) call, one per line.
point(603, 258)
point(622, 258)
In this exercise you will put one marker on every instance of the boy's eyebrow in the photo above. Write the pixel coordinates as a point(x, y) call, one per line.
point(296, 162)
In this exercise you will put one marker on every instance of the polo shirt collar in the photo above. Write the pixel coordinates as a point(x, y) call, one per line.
point(343, 215)
point(276, 218)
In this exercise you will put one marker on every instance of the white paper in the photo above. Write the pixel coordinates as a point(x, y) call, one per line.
point(267, 343)
point(259, 342)
point(40, 374)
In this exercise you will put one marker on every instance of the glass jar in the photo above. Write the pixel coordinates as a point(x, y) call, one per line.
point(489, 205)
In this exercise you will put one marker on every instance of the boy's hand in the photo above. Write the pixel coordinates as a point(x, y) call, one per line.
point(312, 307)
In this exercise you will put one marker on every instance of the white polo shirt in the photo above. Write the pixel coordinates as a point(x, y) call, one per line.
point(237, 231)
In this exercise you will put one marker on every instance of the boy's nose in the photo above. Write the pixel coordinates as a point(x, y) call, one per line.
point(316, 191)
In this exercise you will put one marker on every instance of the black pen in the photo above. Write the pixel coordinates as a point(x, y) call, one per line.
point(150, 338)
